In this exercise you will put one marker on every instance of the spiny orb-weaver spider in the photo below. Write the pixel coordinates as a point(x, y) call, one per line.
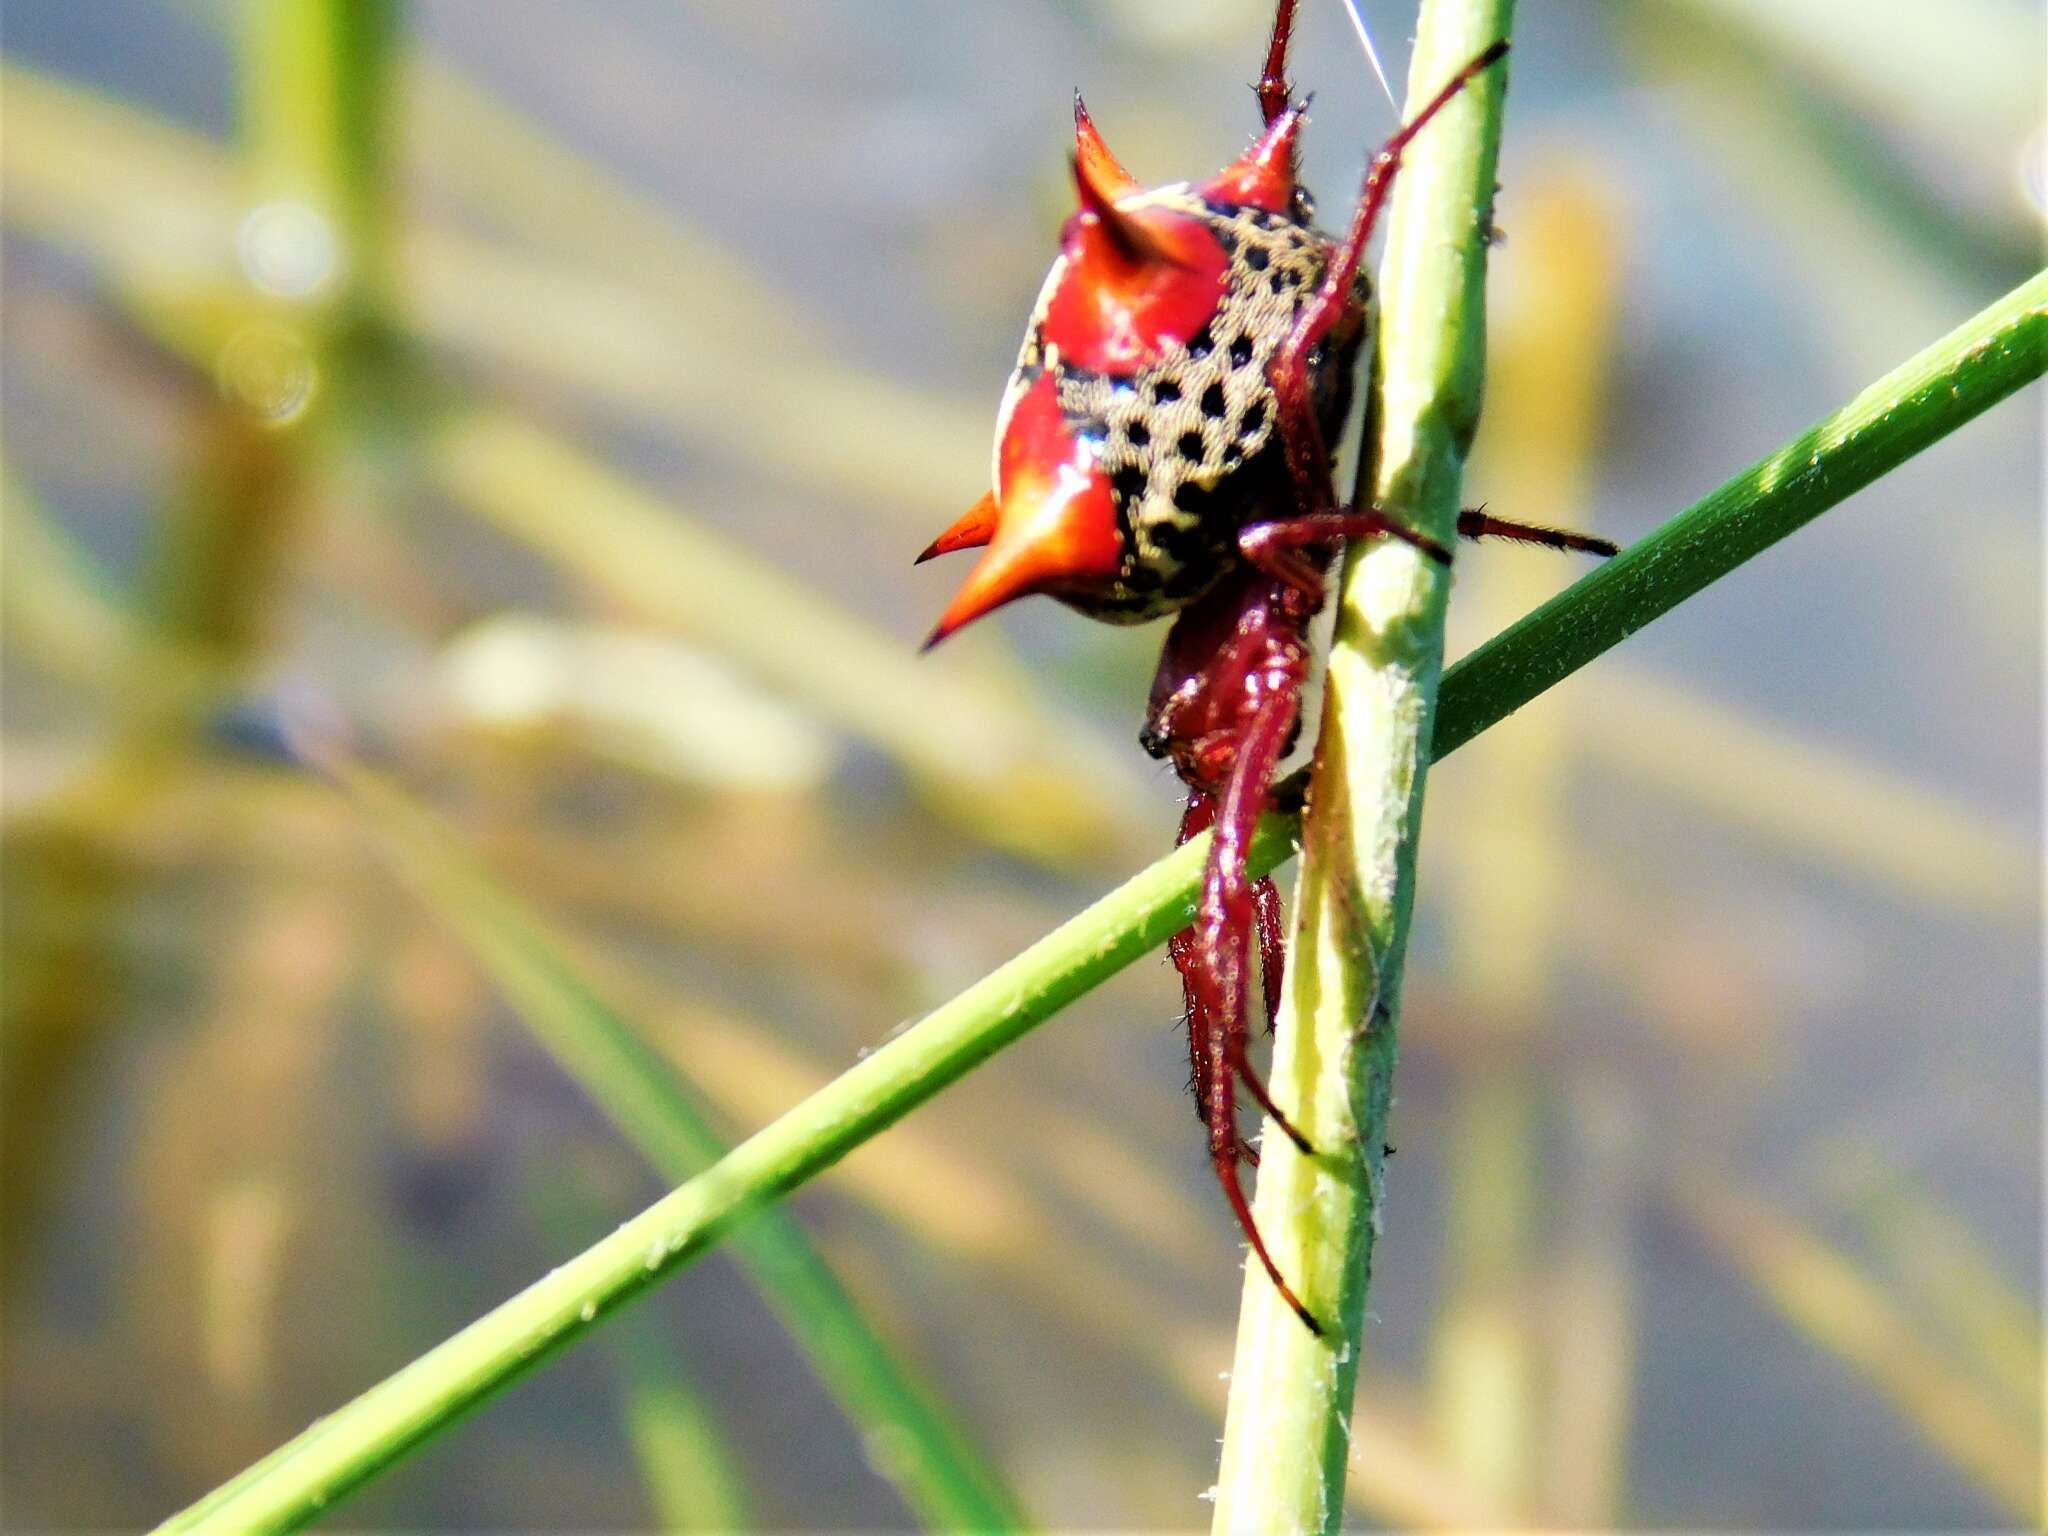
point(1163, 448)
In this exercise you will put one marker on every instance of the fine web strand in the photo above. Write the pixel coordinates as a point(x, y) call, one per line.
point(1372, 54)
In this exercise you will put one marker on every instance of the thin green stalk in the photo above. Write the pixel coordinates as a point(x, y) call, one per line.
point(56, 604)
point(912, 1440)
point(1988, 358)
point(316, 105)
point(314, 102)
point(1286, 1434)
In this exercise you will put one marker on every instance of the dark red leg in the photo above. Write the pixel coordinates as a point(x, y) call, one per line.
point(1478, 523)
point(1188, 961)
point(1215, 974)
point(1201, 1067)
point(1273, 88)
point(1197, 818)
point(1308, 457)
point(1277, 547)
point(1219, 976)
point(1272, 945)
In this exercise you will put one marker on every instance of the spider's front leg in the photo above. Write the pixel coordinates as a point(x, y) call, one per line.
point(1327, 331)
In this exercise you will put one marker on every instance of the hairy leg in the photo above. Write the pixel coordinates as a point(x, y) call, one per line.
point(1197, 818)
point(1478, 523)
point(1308, 456)
point(1273, 87)
point(1189, 960)
point(1295, 549)
point(1220, 979)
point(1272, 945)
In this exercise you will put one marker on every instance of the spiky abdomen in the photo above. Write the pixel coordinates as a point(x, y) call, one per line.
point(1189, 441)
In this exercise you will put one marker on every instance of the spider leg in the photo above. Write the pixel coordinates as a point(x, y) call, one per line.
point(1285, 548)
point(1478, 523)
point(1181, 947)
point(1214, 956)
point(1293, 549)
point(1188, 958)
point(1220, 975)
point(1273, 88)
point(1272, 945)
point(1308, 456)
point(1315, 321)
point(1197, 818)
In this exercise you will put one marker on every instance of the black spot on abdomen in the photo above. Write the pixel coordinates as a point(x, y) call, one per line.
point(1192, 496)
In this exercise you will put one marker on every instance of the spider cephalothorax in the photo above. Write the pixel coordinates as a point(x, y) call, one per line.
point(1162, 448)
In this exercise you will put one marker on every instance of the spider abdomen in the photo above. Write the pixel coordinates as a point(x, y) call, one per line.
point(1188, 440)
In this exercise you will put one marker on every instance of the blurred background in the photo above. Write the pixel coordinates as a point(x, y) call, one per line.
point(557, 394)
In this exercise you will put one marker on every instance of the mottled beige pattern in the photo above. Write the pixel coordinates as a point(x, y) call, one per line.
point(1173, 434)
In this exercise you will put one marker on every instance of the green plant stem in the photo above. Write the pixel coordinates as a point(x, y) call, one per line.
point(1960, 376)
point(910, 1438)
point(316, 107)
point(1286, 1434)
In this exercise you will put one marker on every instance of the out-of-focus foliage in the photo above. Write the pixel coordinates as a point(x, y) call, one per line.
point(560, 392)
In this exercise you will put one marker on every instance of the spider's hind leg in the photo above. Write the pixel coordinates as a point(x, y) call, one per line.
point(1272, 946)
point(1189, 960)
point(1218, 970)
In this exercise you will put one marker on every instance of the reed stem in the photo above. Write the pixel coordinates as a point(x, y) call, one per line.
point(1286, 1433)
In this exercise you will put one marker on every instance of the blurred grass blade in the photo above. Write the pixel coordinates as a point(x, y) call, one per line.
point(1847, 134)
point(317, 121)
point(1841, 1310)
point(691, 1485)
point(57, 605)
point(1516, 1420)
point(908, 1434)
point(313, 104)
point(1937, 1264)
point(1808, 797)
point(349, 1446)
point(1898, 70)
point(1946, 1273)
point(149, 204)
point(1286, 1442)
point(1965, 373)
point(912, 456)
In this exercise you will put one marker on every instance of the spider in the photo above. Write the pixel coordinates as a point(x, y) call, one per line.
point(1163, 448)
